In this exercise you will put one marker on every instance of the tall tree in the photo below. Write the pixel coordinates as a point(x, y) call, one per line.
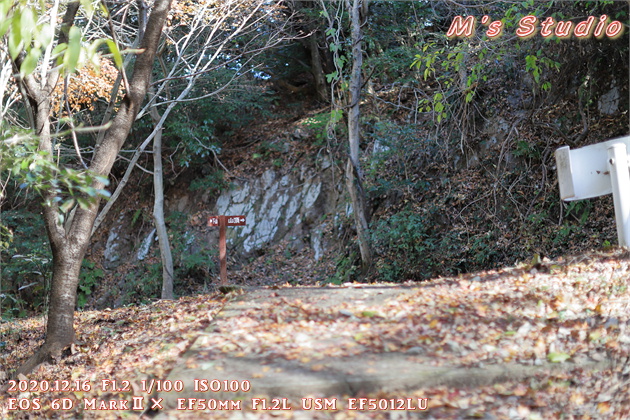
point(351, 101)
point(308, 28)
point(69, 240)
point(168, 272)
point(357, 11)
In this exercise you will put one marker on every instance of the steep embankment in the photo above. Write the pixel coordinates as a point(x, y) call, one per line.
point(280, 178)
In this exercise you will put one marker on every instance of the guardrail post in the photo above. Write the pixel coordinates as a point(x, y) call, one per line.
point(620, 179)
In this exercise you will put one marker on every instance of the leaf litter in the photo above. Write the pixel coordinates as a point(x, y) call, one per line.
point(571, 312)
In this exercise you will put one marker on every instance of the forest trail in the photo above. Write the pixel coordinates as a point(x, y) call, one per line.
point(530, 341)
point(290, 344)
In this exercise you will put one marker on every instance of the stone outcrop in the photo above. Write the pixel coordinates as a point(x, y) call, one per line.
point(292, 206)
point(280, 205)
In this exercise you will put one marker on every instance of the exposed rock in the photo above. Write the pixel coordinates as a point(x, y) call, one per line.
point(609, 102)
point(280, 206)
point(146, 245)
point(317, 242)
point(117, 245)
point(182, 203)
point(380, 148)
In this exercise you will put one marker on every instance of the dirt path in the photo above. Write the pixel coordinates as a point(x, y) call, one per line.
point(528, 342)
point(515, 343)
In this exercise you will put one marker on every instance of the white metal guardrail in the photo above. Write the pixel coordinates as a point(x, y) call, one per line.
point(597, 170)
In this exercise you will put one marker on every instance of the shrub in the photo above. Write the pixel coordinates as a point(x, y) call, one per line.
point(406, 246)
point(27, 263)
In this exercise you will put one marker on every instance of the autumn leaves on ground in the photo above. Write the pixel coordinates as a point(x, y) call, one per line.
point(572, 311)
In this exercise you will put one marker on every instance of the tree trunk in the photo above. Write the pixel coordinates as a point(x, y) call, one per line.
point(69, 245)
point(59, 328)
point(353, 168)
point(158, 211)
point(317, 69)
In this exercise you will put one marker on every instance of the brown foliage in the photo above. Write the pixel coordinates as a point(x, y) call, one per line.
point(85, 87)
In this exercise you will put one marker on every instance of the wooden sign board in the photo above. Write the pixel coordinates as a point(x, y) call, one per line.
point(231, 221)
point(223, 222)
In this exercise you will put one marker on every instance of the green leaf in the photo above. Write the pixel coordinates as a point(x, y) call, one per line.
point(44, 35)
point(27, 25)
point(30, 62)
point(84, 203)
point(73, 53)
point(340, 61)
point(417, 61)
point(88, 6)
point(555, 357)
point(118, 60)
point(336, 116)
point(103, 193)
point(67, 206)
point(530, 62)
point(15, 37)
point(102, 179)
point(56, 52)
point(5, 18)
point(5, 6)
point(92, 52)
point(4, 26)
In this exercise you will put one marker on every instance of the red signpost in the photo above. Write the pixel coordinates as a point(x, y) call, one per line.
point(223, 222)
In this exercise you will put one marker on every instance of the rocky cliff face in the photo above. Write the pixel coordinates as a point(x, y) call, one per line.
point(280, 205)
